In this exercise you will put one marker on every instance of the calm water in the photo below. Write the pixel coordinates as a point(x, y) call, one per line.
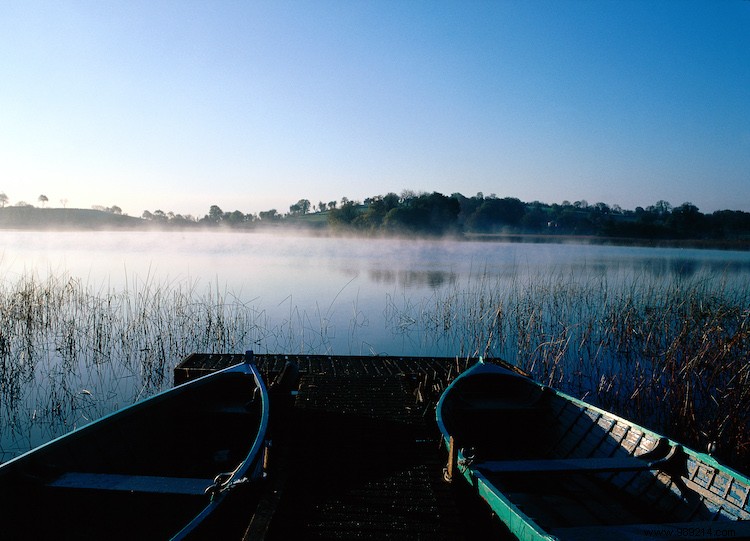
point(342, 285)
point(312, 294)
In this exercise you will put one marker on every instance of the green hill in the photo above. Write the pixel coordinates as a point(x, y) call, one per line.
point(65, 219)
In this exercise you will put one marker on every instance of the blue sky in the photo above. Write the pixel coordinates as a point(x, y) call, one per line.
point(253, 105)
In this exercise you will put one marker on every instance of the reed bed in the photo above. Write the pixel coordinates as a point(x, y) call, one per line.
point(70, 352)
point(670, 352)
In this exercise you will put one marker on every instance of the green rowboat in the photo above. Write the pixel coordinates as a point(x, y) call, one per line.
point(163, 468)
point(552, 467)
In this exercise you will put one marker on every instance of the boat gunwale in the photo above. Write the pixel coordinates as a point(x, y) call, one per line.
point(252, 459)
point(495, 498)
point(127, 410)
point(475, 478)
point(700, 456)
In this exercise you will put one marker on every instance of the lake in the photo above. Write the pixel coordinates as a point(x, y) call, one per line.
point(337, 289)
point(295, 293)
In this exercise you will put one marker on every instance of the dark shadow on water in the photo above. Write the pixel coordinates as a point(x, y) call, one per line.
point(409, 279)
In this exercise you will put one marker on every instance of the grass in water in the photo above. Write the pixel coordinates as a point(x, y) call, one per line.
point(668, 352)
point(70, 353)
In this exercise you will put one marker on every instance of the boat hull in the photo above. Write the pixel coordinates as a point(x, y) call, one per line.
point(554, 467)
point(158, 469)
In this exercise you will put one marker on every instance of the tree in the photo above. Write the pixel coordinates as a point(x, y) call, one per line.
point(407, 196)
point(602, 208)
point(235, 217)
point(268, 215)
point(3, 199)
point(215, 214)
point(494, 214)
point(426, 213)
point(300, 207)
point(43, 199)
point(377, 208)
point(687, 220)
point(345, 215)
point(468, 205)
point(536, 219)
point(574, 222)
point(178, 219)
point(662, 208)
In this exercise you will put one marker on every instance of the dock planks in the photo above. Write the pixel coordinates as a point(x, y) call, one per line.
point(358, 455)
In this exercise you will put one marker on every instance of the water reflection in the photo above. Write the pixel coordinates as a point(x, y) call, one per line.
point(410, 279)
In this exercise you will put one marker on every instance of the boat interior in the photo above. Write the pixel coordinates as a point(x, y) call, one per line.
point(146, 467)
point(574, 469)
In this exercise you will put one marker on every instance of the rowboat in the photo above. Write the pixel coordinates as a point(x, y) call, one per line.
point(159, 469)
point(553, 467)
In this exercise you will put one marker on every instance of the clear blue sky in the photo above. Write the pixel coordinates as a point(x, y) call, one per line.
point(252, 105)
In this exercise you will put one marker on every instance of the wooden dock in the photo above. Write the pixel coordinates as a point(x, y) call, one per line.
point(356, 453)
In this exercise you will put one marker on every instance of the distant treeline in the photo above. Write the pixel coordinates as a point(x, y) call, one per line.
point(429, 214)
point(439, 214)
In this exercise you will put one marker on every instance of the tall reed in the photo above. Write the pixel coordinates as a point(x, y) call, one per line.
point(70, 352)
point(671, 352)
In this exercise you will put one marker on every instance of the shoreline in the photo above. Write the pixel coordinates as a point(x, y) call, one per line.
point(738, 245)
point(702, 244)
point(81, 220)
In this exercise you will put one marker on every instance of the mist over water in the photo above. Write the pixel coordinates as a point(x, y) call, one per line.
point(303, 294)
point(337, 288)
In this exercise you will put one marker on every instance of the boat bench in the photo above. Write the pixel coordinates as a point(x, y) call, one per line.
point(675, 531)
point(132, 483)
point(566, 465)
point(499, 406)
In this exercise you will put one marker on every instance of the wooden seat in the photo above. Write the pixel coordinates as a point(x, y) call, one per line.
point(566, 465)
point(132, 483)
point(663, 457)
